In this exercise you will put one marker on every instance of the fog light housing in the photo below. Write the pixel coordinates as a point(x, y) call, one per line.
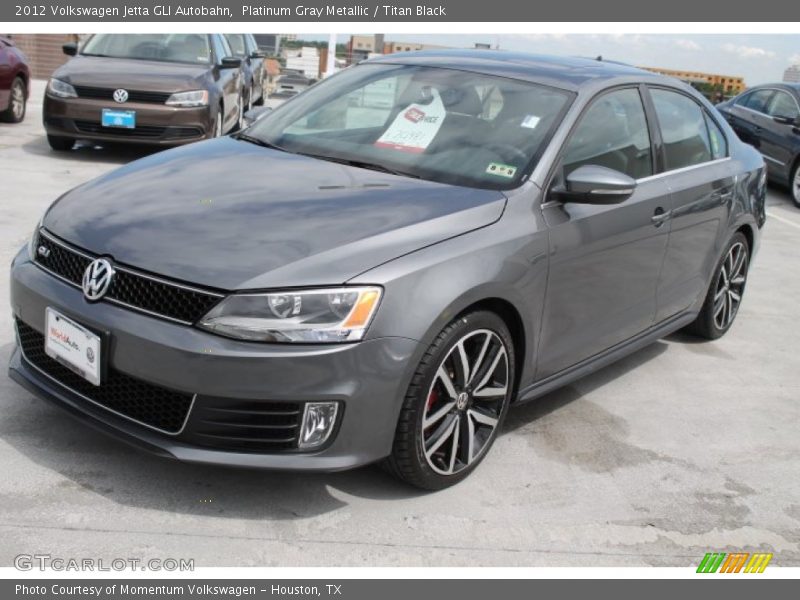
point(319, 419)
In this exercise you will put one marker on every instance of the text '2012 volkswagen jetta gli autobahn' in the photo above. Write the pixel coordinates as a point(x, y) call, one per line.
point(377, 269)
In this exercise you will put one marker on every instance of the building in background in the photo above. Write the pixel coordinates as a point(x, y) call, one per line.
point(305, 60)
point(728, 85)
point(43, 51)
point(792, 74)
point(362, 47)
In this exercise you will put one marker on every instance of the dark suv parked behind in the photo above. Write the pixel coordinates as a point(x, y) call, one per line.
point(768, 117)
point(164, 89)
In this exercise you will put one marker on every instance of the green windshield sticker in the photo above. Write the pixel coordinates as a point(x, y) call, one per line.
point(501, 170)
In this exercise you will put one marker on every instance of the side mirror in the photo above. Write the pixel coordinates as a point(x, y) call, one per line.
point(257, 54)
point(593, 184)
point(231, 62)
point(70, 49)
point(255, 114)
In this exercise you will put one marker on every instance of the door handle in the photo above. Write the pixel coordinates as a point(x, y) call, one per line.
point(660, 216)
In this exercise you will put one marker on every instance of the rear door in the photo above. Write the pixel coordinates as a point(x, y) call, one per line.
point(700, 177)
point(604, 260)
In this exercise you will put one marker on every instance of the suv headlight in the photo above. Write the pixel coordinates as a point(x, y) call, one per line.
point(300, 316)
point(189, 99)
point(61, 89)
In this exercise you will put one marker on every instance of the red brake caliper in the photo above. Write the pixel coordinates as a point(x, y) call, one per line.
point(432, 399)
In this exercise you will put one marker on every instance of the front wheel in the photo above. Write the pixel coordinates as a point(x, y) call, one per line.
point(455, 404)
point(794, 185)
point(726, 291)
point(15, 112)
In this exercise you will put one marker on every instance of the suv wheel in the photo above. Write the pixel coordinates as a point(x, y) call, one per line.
point(725, 294)
point(455, 404)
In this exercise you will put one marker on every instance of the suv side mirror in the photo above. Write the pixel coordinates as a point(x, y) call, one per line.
point(70, 49)
point(593, 184)
point(231, 62)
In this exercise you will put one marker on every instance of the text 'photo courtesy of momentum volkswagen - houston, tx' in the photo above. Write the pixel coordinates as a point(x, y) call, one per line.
point(441, 235)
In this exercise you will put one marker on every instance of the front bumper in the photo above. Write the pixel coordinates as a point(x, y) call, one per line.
point(156, 124)
point(368, 379)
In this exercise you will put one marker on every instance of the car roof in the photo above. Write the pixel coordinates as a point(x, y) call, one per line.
point(571, 73)
point(783, 85)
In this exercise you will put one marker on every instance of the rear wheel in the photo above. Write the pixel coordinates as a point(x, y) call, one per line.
point(455, 404)
point(726, 291)
point(15, 112)
point(794, 184)
point(60, 144)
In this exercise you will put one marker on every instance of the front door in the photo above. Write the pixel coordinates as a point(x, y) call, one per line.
point(604, 260)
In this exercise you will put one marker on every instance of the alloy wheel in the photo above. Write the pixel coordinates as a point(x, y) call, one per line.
point(796, 186)
point(18, 100)
point(730, 286)
point(465, 402)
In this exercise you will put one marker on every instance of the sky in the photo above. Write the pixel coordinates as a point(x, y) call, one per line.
point(758, 58)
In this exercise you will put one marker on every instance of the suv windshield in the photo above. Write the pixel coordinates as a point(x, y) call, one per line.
point(173, 47)
point(432, 123)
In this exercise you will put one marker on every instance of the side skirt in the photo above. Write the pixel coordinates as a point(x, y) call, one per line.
point(598, 361)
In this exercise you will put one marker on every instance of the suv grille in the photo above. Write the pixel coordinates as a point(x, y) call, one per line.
point(244, 425)
point(130, 288)
point(97, 93)
point(157, 407)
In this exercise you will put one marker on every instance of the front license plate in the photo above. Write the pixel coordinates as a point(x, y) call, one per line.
point(119, 118)
point(73, 346)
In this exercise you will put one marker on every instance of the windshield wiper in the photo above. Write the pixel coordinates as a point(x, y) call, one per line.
point(362, 164)
point(259, 142)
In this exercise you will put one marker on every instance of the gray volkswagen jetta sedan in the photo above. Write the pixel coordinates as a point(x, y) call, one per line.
point(378, 268)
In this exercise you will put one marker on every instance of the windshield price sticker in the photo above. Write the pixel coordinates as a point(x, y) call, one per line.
point(415, 128)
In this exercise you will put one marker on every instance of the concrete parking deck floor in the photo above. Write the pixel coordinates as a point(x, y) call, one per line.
point(682, 448)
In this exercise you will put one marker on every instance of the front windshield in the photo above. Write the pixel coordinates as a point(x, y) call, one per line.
point(433, 123)
point(190, 48)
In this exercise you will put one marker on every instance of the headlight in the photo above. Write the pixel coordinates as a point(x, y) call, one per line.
point(188, 99)
point(61, 89)
point(305, 316)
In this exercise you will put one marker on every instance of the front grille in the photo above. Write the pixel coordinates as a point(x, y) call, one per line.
point(244, 425)
point(133, 289)
point(157, 407)
point(140, 131)
point(97, 93)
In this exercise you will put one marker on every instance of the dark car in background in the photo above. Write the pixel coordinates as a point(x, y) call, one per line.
point(441, 234)
point(14, 82)
point(244, 46)
point(768, 117)
point(162, 89)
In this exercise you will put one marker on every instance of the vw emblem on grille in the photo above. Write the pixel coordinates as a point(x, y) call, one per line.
point(120, 96)
point(97, 279)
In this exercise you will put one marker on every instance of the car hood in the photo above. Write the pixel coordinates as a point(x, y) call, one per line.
point(147, 75)
point(232, 215)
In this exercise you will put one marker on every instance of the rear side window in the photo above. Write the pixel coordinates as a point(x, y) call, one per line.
point(612, 133)
point(783, 105)
point(684, 130)
point(719, 145)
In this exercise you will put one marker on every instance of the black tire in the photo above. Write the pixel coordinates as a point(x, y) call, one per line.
point(60, 144)
point(17, 102)
point(707, 325)
point(794, 184)
point(408, 461)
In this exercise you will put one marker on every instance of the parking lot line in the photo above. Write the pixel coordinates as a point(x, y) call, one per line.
point(789, 222)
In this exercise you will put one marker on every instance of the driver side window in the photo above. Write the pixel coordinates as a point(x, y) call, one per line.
point(612, 133)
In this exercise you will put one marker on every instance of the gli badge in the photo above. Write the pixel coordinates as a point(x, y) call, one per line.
point(97, 279)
